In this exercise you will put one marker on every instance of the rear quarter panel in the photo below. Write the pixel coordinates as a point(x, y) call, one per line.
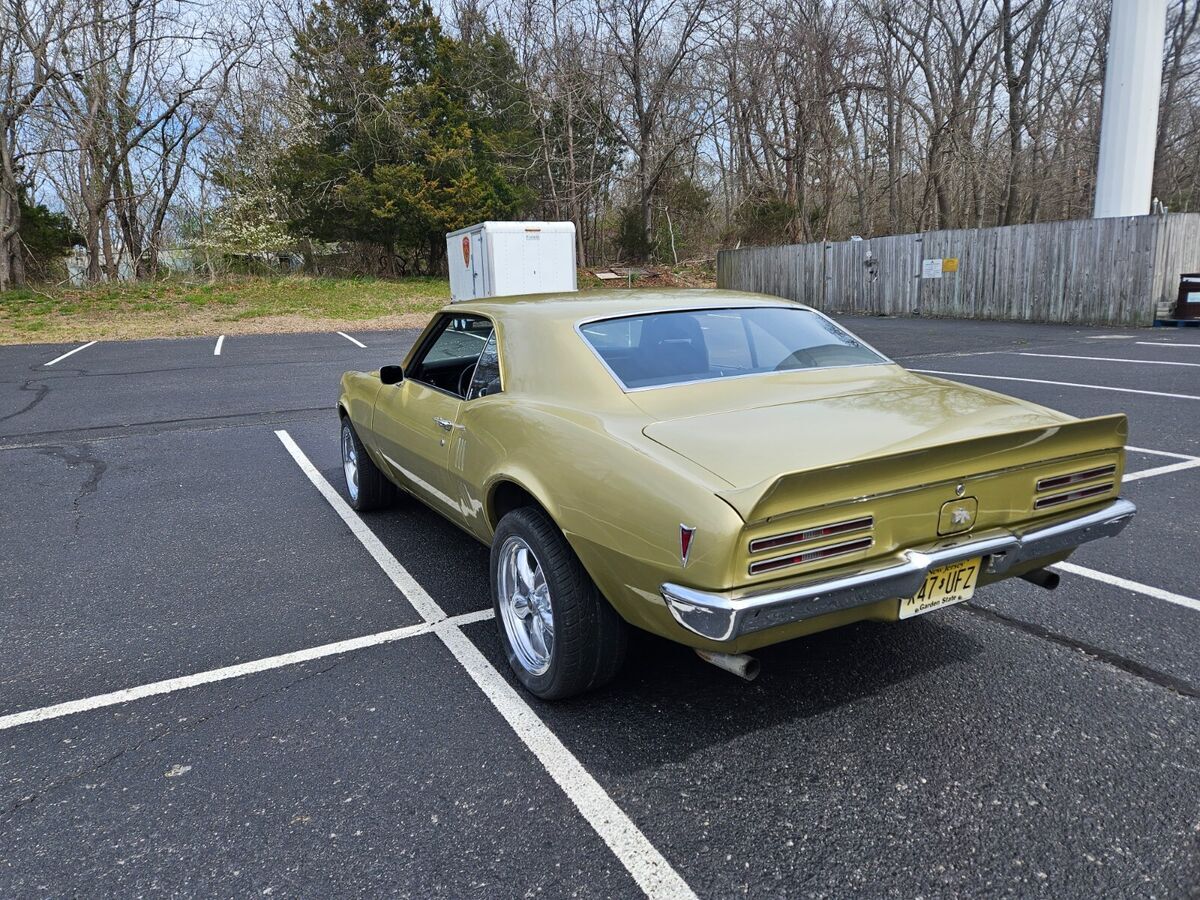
point(619, 505)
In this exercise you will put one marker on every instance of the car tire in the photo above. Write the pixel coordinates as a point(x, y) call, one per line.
point(367, 487)
point(590, 639)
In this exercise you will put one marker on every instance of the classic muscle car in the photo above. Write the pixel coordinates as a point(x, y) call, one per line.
point(726, 470)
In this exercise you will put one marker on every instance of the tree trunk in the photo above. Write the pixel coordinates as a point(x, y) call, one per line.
point(11, 268)
point(91, 237)
point(112, 262)
point(645, 211)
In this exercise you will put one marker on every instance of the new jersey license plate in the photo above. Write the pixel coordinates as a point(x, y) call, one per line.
point(943, 586)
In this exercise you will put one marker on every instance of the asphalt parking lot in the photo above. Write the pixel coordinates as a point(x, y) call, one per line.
point(216, 680)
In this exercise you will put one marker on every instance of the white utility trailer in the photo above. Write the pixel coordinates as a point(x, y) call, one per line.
point(503, 259)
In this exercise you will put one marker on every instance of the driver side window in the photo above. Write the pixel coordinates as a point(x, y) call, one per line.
point(449, 358)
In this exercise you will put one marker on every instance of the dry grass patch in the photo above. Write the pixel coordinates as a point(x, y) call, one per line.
point(229, 306)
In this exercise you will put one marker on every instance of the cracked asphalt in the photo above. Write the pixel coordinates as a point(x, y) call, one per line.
point(1025, 744)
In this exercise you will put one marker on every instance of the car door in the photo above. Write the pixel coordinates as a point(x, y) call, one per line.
point(415, 419)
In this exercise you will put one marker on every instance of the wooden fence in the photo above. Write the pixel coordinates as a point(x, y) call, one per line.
point(1087, 271)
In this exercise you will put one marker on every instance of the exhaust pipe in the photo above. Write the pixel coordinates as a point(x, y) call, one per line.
point(1043, 578)
point(739, 664)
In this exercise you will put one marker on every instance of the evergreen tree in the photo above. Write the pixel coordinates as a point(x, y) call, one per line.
point(404, 147)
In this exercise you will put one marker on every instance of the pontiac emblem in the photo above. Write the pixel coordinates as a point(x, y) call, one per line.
point(960, 515)
point(685, 542)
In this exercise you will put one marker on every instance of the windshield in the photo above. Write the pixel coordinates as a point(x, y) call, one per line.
point(694, 345)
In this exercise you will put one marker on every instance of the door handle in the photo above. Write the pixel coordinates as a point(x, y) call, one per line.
point(444, 424)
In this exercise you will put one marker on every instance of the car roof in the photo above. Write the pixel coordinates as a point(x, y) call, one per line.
point(576, 307)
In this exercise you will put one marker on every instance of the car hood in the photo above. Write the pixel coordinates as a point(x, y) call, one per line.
point(881, 413)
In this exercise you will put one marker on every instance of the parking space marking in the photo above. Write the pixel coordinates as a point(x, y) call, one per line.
point(170, 685)
point(1166, 344)
point(217, 349)
point(1161, 470)
point(1145, 362)
point(1135, 586)
point(649, 868)
point(951, 353)
point(1189, 462)
point(352, 340)
point(69, 353)
point(1093, 387)
point(1161, 453)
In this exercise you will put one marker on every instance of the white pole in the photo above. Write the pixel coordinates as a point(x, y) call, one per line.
point(1129, 123)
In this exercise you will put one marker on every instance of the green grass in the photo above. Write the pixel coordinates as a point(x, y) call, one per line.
point(231, 305)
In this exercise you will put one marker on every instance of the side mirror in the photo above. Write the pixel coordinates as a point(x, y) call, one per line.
point(391, 374)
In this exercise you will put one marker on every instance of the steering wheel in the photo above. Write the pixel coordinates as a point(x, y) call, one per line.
point(464, 380)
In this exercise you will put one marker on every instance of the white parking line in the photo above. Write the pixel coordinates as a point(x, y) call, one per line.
point(170, 685)
point(1145, 362)
point(1161, 470)
point(1165, 344)
point(217, 349)
point(1189, 462)
point(352, 340)
point(1127, 584)
point(69, 353)
point(1161, 453)
point(654, 875)
point(1093, 387)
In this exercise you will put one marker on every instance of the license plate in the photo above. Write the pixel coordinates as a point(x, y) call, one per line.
point(943, 586)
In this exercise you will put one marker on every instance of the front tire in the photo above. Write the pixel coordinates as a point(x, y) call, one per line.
point(560, 635)
point(366, 485)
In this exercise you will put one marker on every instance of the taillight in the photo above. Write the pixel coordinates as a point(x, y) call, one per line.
point(792, 538)
point(1049, 484)
point(1056, 482)
point(1057, 499)
point(848, 527)
point(807, 556)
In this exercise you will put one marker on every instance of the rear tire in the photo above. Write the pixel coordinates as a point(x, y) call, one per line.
point(366, 485)
point(540, 588)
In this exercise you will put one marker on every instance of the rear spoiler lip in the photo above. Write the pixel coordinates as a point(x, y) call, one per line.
point(1107, 434)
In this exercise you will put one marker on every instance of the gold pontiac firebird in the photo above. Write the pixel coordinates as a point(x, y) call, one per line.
point(726, 470)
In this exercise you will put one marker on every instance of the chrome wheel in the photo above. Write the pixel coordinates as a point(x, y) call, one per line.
point(350, 462)
point(525, 606)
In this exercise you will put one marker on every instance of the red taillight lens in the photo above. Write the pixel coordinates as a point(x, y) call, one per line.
point(781, 562)
point(792, 538)
point(1057, 499)
point(1048, 484)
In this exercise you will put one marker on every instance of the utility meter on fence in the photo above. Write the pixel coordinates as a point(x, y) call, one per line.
point(503, 259)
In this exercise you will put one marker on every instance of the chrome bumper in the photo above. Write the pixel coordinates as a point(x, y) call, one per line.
point(725, 616)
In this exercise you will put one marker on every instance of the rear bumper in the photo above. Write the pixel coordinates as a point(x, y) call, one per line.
point(726, 616)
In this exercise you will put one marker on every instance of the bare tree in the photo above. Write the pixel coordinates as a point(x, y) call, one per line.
point(147, 75)
point(655, 45)
point(1177, 179)
point(28, 35)
point(776, 119)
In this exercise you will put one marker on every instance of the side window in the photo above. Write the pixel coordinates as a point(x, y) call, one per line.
point(486, 379)
point(448, 359)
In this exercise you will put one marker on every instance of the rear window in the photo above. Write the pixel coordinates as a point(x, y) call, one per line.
point(694, 345)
